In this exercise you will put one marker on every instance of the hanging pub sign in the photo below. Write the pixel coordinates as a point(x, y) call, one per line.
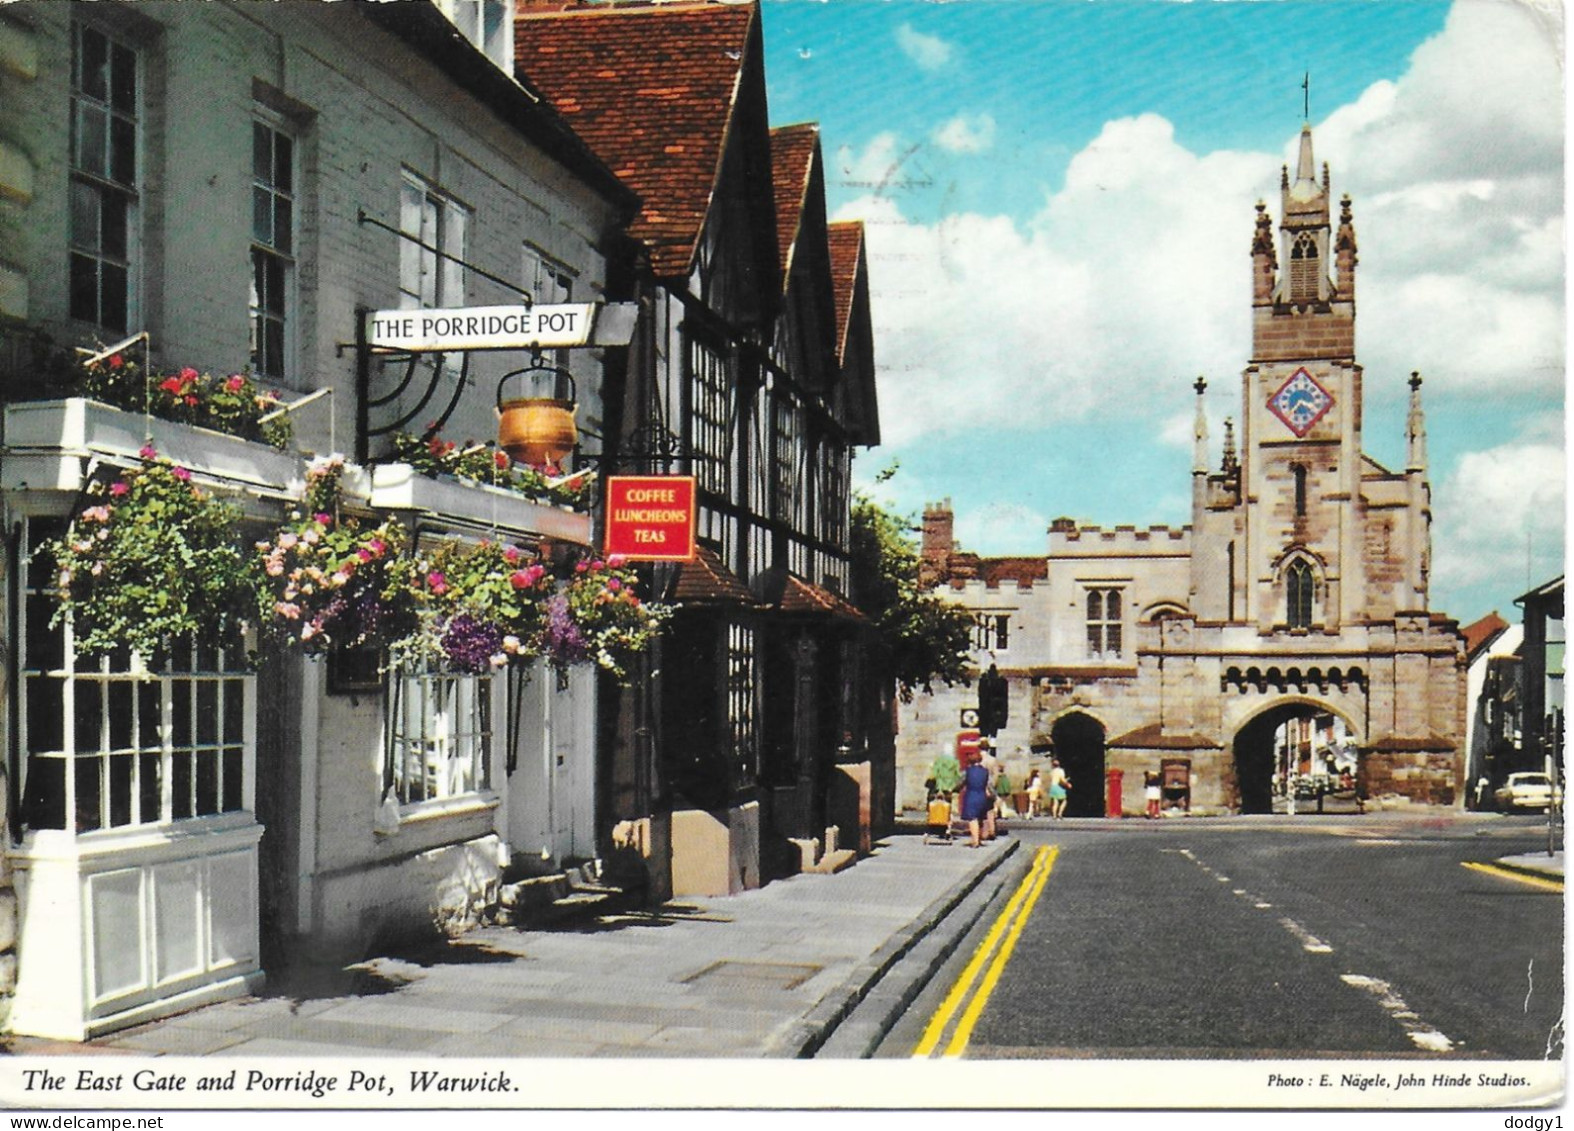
point(555, 326)
point(650, 517)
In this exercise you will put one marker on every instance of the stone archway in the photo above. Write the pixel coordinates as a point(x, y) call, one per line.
point(1079, 745)
point(1257, 752)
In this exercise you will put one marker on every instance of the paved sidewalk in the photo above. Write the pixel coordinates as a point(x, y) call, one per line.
point(1549, 865)
point(767, 973)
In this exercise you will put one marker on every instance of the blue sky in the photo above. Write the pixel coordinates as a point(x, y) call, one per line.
point(1059, 202)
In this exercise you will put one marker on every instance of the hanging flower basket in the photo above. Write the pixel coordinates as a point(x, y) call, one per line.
point(327, 582)
point(153, 557)
point(234, 405)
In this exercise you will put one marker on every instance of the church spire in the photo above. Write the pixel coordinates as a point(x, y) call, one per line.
point(1199, 432)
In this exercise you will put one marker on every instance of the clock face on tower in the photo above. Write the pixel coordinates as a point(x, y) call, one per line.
point(1300, 402)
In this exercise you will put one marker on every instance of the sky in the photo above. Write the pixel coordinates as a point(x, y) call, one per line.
point(1059, 201)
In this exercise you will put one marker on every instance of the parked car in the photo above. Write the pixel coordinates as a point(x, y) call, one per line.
point(1528, 790)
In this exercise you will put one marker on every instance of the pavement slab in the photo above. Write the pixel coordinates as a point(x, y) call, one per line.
point(768, 972)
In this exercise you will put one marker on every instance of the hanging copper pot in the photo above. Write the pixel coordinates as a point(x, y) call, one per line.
point(538, 430)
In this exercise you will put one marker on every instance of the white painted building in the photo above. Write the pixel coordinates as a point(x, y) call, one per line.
point(239, 181)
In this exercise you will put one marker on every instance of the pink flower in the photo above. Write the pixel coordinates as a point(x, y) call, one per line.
point(172, 385)
point(580, 567)
point(188, 374)
point(501, 460)
point(235, 383)
point(148, 452)
point(118, 488)
point(598, 565)
point(511, 554)
point(617, 561)
point(519, 579)
point(287, 610)
point(437, 582)
point(182, 474)
point(96, 514)
point(288, 541)
point(377, 546)
point(116, 361)
point(614, 584)
point(323, 519)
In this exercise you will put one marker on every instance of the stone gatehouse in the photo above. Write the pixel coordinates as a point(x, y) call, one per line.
point(1297, 591)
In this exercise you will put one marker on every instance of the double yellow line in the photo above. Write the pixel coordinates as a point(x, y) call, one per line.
point(994, 952)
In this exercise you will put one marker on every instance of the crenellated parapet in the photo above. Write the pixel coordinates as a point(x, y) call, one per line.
point(1089, 541)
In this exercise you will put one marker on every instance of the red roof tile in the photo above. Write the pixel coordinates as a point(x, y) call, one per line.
point(652, 89)
point(847, 248)
point(792, 162)
point(1482, 633)
point(706, 581)
point(792, 594)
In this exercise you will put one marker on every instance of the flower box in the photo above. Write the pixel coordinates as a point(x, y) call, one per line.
point(44, 439)
point(399, 486)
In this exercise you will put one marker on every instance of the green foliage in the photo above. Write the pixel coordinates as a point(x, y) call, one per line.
point(323, 582)
point(152, 558)
point(599, 617)
point(233, 405)
point(927, 638)
point(486, 463)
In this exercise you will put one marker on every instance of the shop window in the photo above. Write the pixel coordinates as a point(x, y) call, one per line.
point(439, 729)
point(105, 94)
point(1104, 624)
point(272, 247)
point(122, 740)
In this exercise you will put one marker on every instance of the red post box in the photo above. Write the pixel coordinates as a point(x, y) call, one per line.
point(1112, 793)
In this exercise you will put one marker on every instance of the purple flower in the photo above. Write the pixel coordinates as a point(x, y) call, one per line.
point(565, 643)
point(470, 644)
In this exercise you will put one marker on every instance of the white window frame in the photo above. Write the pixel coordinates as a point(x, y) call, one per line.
point(1106, 634)
point(992, 631)
point(441, 731)
point(441, 223)
point(98, 188)
point(488, 24)
point(273, 243)
point(182, 752)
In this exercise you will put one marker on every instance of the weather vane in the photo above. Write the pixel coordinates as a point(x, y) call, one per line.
point(1306, 96)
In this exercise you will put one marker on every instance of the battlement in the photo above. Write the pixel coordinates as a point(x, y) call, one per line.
point(1122, 540)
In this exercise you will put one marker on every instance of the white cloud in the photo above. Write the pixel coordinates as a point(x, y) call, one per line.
point(1002, 528)
point(963, 134)
point(1500, 517)
point(1134, 272)
point(930, 52)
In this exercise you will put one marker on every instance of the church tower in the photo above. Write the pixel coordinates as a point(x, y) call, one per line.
point(1300, 564)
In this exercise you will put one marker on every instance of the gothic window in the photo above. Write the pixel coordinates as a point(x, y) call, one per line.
point(992, 632)
point(1303, 268)
point(104, 178)
point(1299, 584)
point(1104, 622)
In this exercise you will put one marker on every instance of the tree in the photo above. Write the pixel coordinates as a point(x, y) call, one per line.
point(926, 638)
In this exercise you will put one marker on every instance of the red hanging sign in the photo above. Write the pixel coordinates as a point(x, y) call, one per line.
point(650, 518)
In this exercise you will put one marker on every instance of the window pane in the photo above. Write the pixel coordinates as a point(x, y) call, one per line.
point(283, 163)
point(233, 781)
point(150, 805)
point(1112, 605)
point(121, 735)
point(84, 288)
point(207, 782)
point(92, 140)
point(283, 220)
point(261, 152)
point(123, 151)
point(94, 64)
point(45, 713)
point(181, 728)
point(44, 794)
point(149, 717)
point(180, 781)
point(89, 794)
point(207, 713)
point(261, 214)
point(45, 645)
point(86, 212)
point(116, 311)
point(1095, 605)
point(89, 714)
point(112, 226)
point(123, 86)
point(120, 789)
point(234, 710)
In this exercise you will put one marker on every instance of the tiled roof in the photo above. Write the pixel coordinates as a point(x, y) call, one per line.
point(1482, 633)
point(790, 593)
point(847, 243)
point(792, 161)
point(705, 580)
point(652, 89)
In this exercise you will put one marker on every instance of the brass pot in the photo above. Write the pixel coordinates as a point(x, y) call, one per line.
point(537, 431)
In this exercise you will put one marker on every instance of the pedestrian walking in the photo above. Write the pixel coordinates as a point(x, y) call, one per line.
point(976, 801)
point(1035, 794)
point(1059, 785)
point(1150, 789)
